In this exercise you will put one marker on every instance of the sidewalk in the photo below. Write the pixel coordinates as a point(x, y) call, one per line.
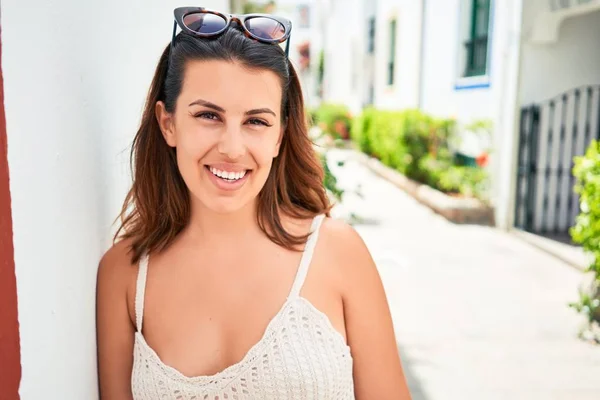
point(479, 314)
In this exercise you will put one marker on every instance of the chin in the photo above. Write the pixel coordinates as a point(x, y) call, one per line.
point(224, 205)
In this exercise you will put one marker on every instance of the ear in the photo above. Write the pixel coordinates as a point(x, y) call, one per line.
point(278, 145)
point(165, 122)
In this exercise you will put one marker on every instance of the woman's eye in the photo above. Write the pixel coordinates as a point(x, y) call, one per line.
point(207, 115)
point(256, 121)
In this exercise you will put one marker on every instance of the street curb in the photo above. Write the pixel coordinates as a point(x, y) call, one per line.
point(457, 210)
point(571, 255)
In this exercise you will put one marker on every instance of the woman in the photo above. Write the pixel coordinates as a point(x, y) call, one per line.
point(227, 281)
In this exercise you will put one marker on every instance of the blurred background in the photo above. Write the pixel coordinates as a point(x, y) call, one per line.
point(458, 137)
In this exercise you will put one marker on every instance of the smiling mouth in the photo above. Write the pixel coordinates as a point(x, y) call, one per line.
point(228, 176)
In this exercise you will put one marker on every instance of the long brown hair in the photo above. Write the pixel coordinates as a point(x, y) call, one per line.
point(157, 207)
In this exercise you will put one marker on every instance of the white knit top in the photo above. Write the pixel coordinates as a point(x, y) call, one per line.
point(301, 356)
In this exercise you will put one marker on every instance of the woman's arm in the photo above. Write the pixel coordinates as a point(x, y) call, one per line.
point(115, 330)
point(378, 371)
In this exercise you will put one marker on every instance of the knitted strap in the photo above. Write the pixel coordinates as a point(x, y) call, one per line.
point(140, 290)
point(307, 256)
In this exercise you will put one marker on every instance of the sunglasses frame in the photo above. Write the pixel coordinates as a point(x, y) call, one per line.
point(181, 12)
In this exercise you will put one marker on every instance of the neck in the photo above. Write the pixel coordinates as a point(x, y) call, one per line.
point(210, 226)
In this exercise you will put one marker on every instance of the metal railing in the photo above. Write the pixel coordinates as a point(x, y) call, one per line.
point(551, 134)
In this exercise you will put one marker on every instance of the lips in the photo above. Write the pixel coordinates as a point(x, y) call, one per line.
point(227, 178)
point(228, 175)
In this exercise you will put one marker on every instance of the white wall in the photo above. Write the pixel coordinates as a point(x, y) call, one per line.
point(75, 76)
point(345, 47)
point(349, 68)
point(444, 92)
point(300, 34)
point(405, 90)
point(508, 42)
point(550, 68)
point(570, 62)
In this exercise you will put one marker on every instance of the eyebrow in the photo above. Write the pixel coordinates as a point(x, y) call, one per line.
point(260, 111)
point(215, 107)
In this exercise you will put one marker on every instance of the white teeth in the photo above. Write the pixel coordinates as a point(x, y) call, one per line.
point(228, 175)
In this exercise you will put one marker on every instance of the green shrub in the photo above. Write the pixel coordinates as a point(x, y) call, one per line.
point(433, 168)
point(360, 128)
point(311, 115)
point(587, 228)
point(417, 145)
point(252, 7)
point(400, 139)
point(466, 180)
point(329, 179)
point(320, 73)
point(385, 135)
point(421, 133)
point(334, 119)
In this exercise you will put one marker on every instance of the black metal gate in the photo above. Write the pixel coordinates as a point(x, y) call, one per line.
point(551, 134)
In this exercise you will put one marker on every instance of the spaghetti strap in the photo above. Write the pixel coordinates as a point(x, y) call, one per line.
point(309, 249)
point(140, 290)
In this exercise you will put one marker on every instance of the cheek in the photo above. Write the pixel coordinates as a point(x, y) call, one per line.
point(193, 145)
point(191, 149)
point(263, 151)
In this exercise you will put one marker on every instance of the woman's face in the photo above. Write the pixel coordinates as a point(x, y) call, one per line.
point(226, 129)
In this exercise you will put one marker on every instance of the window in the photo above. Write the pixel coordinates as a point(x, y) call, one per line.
point(392, 59)
point(371, 38)
point(477, 41)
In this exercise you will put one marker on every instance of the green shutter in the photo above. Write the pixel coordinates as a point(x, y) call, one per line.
point(477, 45)
point(392, 60)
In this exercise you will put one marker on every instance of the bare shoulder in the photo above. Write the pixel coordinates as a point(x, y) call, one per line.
point(116, 274)
point(341, 235)
point(344, 244)
point(114, 323)
point(346, 252)
point(115, 264)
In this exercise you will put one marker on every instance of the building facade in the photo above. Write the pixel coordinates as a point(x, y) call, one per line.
point(481, 60)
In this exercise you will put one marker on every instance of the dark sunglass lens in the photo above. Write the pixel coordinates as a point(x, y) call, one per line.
point(265, 28)
point(204, 22)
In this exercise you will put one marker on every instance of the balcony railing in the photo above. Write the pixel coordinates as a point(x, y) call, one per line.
point(547, 23)
point(562, 4)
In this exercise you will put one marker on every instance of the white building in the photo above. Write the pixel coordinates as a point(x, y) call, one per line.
point(304, 15)
point(560, 78)
point(481, 59)
point(305, 41)
point(364, 43)
point(75, 79)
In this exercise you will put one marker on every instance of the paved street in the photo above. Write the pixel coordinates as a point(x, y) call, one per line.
point(478, 313)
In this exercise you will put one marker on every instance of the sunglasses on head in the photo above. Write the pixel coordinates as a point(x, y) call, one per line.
point(200, 22)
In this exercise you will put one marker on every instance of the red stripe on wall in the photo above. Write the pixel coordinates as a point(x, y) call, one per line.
point(10, 363)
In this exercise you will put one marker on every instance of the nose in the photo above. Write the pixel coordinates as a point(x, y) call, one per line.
point(231, 143)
